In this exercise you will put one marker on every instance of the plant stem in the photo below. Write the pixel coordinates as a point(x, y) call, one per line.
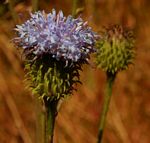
point(12, 10)
point(74, 7)
point(78, 7)
point(107, 98)
point(35, 5)
point(51, 112)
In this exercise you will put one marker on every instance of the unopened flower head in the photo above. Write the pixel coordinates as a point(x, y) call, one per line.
point(65, 38)
point(115, 50)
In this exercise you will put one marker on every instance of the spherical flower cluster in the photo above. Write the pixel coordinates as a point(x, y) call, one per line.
point(65, 38)
point(115, 49)
point(55, 47)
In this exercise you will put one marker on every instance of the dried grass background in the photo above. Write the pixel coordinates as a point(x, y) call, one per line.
point(77, 122)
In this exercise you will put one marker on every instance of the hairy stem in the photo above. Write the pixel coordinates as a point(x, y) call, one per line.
point(107, 98)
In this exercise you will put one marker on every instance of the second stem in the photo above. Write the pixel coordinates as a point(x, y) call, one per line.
point(107, 97)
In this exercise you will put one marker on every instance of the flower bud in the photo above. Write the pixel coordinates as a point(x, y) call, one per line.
point(115, 49)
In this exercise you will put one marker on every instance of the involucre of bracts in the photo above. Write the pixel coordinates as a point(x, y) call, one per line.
point(51, 79)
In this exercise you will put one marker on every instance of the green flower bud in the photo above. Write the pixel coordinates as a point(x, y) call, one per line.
point(115, 49)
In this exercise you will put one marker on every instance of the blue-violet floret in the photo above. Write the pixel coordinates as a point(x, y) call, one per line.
point(65, 38)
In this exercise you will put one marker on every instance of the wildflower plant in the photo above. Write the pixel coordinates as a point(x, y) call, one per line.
point(54, 48)
point(115, 52)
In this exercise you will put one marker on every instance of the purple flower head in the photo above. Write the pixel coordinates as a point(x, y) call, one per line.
point(65, 38)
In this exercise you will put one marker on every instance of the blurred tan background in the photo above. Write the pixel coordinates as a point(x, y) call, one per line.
point(77, 122)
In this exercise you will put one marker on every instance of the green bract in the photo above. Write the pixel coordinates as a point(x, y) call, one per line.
point(115, 49)
point(52, 79)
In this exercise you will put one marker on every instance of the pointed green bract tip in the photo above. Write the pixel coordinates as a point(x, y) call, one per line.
point(115, 50)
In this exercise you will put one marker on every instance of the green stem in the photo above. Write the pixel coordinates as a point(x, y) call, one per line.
point(107, 98)
point(74, 7)
point(35, 5)
point(51, 112)
point(12, 10)
point(96, 8)
point(78, 7)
